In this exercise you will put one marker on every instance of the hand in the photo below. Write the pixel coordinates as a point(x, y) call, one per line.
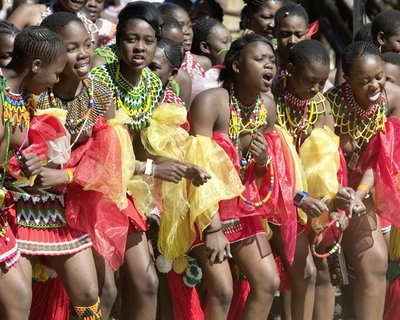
point(343, 222)
point(313, 207)
point(198, 176)
point(357, 208)
point(218, 247)
point(170, 170)
point(343, 197)
point(30, 164)
point(51, 177)
point(259, 148)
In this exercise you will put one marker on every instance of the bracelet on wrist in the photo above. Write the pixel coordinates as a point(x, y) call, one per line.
point(364, 188)
point(211, 231)
point(299, 198)
point(263, 165)
point(149, 168)
point(70, 174)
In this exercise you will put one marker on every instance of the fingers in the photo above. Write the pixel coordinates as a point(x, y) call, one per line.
point(212, 256)
point(30, 164)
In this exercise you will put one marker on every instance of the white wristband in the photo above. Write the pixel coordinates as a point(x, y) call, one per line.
point(149, 167)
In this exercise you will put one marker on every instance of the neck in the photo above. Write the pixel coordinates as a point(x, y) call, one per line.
point(132, 76)
point(245, 95)
point(67, 88)
point(291, 88)
point(17, 79)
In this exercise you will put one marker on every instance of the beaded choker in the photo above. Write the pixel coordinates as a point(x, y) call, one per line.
point(354, 108)
point(138, 102)
point(79, 109)
point(17, 108)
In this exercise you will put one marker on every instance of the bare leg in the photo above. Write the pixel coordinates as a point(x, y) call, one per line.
point(302, 273)
point(366, 251)
point(139, 300)
point(254, 258)
point(218, 282)
point(107, 286)
point(15, 293)
point(286, 297)
point(78, 274)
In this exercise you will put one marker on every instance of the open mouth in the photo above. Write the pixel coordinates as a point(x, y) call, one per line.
point(375, 96)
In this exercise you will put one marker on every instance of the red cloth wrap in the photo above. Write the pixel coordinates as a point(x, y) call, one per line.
point(383, 155)
point(97, 164)
point(279, 208)
point(41, 129)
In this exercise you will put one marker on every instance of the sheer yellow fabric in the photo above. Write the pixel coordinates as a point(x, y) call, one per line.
point(186, 207)
point(320, 158)
point(301, 182)
point(394, 250)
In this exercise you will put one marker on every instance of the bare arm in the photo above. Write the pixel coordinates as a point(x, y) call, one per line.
point(185, 86)
point(393, 99)
point(26, 15)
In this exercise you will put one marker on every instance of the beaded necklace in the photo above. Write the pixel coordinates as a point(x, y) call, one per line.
point(353, 120)
point(17, 108)
point(237, 127)
point(296, 116)
point(137, 102)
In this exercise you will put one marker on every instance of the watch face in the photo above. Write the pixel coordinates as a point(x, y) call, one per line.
point(298, 197)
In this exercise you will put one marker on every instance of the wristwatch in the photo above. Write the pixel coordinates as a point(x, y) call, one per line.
point(299, 198)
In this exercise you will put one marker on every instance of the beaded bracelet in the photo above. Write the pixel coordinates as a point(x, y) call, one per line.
point(70, 174)
point(335, 247)
point(363, 187)
point(208, 231)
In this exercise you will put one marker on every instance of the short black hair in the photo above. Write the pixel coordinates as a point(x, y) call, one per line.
point(251, 7)
point(8, 29)
point(290, 9)
point(364, 34)
point(37, 42)
point(206, 9)
point(307, 50)
point(201, 30)
point(169, 8)
point(140, 10)
point(173, 52)
point(234, 54)
point(169, 23)
point(356, 50)
point(57, 21)
point(387, 22)
point(392, 58)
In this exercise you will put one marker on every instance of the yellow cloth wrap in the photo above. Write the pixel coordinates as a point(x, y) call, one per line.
point(127, 156)
point(394, 245)
point(301, 182)
point(58, 113)
point(321, 161)
point(2, 197)
point(186, 207)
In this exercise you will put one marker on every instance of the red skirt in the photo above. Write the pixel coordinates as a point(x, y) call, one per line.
point(137, 222)
point(9, 252)
point(42, 226)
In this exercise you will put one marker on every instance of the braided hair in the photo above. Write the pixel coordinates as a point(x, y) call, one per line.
point(140, 10)
point(58, 21)
point(172, 51)
point(356, 50)
point(235, 54)
point(307, 50)
point(169, 23)
point(392, 58)
point(8, 29)
point(201, 31)
point(37, 42)
point(387, 22)
point(290, 9)
point(250, 9)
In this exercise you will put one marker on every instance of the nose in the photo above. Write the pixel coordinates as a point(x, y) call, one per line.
point(139, 47)
point(374, 85)
point(91, 3)
point(315, 89)
point(83, 53)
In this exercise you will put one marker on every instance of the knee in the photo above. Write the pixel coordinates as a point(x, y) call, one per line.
point(310, 271)
point(266, 285)
point(21, 308)
point(375, 267)
point(146, 284)
point(222, 295)
point(87, 296)
point(109, 294)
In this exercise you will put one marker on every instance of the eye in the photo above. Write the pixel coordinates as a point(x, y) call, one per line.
point(71, 49)
point(149, 41)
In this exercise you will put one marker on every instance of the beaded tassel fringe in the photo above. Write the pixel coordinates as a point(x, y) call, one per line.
point(87, 313)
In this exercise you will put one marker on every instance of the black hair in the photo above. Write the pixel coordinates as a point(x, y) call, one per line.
point(173, 52)
point(8, 29)
point(251, 8)
point(356, 50)
point(364, 34)
point(57, 21)
point(201, 31)
point(169, 8)
point(307, 50)
point(140, 10)
point(387, 22)
point(290, 9)
point(206, 9)
point(235, 53)
point(392, 58)
point(169, 23)
point(37, 42)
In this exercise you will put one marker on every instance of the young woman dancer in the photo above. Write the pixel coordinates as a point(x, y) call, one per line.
point(361, 107)
point(242, 110)
point(38, 58)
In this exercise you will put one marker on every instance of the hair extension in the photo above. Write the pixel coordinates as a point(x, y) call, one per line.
point(37, 42)
point(235, 53)
point(356, 50)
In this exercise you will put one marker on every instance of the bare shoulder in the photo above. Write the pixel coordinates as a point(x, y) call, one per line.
point(271, 107)
point(204, 61)
point(98, 61)
point(210, 99)
point(26, 15)
point(393, 99)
